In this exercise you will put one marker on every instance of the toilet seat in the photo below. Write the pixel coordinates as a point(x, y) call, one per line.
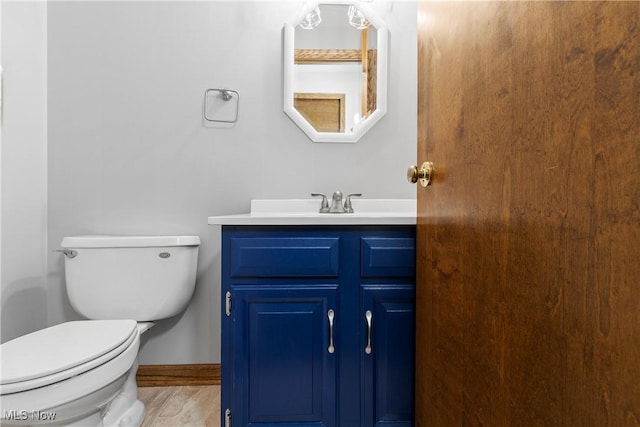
point(72, 348)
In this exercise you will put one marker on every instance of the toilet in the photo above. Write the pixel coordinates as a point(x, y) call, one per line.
point(83, 373)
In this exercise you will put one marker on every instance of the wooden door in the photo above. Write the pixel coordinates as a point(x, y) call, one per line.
point(528, 287)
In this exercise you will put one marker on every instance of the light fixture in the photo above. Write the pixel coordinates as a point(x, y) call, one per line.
point(357, 18)
point(312, 19)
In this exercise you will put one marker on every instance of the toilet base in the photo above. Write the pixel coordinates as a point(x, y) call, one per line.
point(125, 410)
point(115, 405)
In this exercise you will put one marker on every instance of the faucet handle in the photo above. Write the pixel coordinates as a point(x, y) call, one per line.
point(348, 208)
point(324, 204)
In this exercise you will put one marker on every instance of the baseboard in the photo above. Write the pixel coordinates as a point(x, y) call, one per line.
point(175, 375)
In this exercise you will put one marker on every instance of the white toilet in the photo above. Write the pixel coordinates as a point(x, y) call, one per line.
point(83, 373)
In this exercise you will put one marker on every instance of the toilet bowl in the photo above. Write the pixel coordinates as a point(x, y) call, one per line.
point(82, 373)
point(66, 372)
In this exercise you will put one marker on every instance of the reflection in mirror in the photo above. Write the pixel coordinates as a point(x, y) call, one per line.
point(324, 111)
point(335, 71)
point(338, 57)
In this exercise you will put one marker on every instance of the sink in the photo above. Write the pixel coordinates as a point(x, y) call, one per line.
point(305, 212)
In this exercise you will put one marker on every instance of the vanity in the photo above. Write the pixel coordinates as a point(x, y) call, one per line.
point(318, 300)
point(318, 314)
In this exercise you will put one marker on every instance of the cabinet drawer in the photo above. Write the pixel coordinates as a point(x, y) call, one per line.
point(285, 256)
point(388, 256)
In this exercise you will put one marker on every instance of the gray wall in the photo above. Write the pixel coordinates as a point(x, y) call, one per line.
point(129, 153)
point(23, 169)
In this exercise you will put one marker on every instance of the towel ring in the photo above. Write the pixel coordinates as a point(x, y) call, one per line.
point(226, 95)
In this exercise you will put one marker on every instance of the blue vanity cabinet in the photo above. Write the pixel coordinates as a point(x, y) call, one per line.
point(294, 333)
point(387, 343)
point(283, 372)
point(388, 360)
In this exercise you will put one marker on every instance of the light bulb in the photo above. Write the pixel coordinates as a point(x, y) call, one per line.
point(312, 20)
point(357, 18)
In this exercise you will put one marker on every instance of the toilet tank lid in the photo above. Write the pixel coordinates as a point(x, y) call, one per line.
point(128, 241)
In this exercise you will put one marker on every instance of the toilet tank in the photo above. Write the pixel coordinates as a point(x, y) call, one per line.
point(143, 278)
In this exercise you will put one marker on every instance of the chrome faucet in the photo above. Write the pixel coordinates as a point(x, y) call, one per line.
point(337, 206)
point(348, 208)
point(336, 203)
point(324, 205)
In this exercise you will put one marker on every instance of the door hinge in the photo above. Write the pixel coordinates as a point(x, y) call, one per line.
point(227, 300)
point(227, 418)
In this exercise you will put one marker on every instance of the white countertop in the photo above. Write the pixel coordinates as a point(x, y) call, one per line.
point(305, 212)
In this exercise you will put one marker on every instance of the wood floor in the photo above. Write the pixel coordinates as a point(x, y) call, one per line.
point(181, 406)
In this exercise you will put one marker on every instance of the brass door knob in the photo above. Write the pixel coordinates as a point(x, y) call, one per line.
point(423, 174)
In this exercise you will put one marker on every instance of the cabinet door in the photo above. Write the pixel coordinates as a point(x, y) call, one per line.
point(284, 369)
point(387, 354)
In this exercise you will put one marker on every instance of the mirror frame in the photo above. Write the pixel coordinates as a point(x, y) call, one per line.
point(381, 70)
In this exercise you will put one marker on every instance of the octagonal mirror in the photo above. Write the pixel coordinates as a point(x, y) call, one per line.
point(335, 70)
